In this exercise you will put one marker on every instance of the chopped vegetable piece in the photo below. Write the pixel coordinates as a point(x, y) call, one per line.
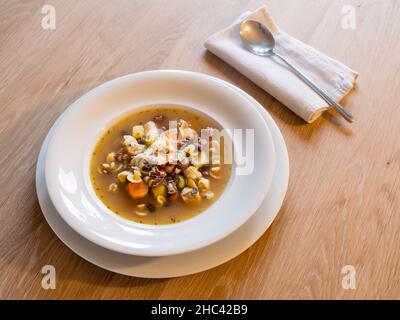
point(192, 173)
point(191, 184)
point(169, 168)
point(180, 182)
point(190, 196)
point(138, 132)
point(150, 132)
point(110, 157)
point(138, 190)
point(204, 184)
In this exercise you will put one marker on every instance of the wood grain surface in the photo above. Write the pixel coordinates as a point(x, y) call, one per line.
point(342, 206)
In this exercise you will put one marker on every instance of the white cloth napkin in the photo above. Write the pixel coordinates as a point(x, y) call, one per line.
point(275, 77)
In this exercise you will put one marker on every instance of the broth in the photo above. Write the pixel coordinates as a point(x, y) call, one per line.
point(161, 204)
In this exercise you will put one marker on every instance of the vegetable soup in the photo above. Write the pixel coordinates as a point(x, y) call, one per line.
point(160, 165)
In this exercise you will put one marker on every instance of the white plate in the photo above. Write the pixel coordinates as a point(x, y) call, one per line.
point(183, 264)
point(74, 138)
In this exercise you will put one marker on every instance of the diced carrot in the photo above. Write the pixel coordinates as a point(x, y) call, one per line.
point(138, 190)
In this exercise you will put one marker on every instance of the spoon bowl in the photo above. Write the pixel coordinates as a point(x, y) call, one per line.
point(259, 40)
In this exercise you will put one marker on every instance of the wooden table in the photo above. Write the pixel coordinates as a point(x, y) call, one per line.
point(342, 206)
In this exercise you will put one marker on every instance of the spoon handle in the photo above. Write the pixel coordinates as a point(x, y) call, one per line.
point(343, 112)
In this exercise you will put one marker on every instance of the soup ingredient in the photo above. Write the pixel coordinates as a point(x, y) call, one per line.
point(185, 130)
point(190, 195)
point(157, 176)
point(180, 182)
point(124, 175)
point(161, 200)
point(132, 146)
point(110, 157)
point(172, 190)
point(169, 168)
point(150, 132)
point(137, 188)
point(192, 173)
point(191, 184)
point(142, 210)
point(113, 187)
point(159, 190)
point(204, 184)
point(151, 207)
point(138, 132)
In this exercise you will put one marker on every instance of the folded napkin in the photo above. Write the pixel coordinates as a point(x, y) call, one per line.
point(275, 77)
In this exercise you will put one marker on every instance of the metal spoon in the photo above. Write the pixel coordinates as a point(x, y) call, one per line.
point(260, 41)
